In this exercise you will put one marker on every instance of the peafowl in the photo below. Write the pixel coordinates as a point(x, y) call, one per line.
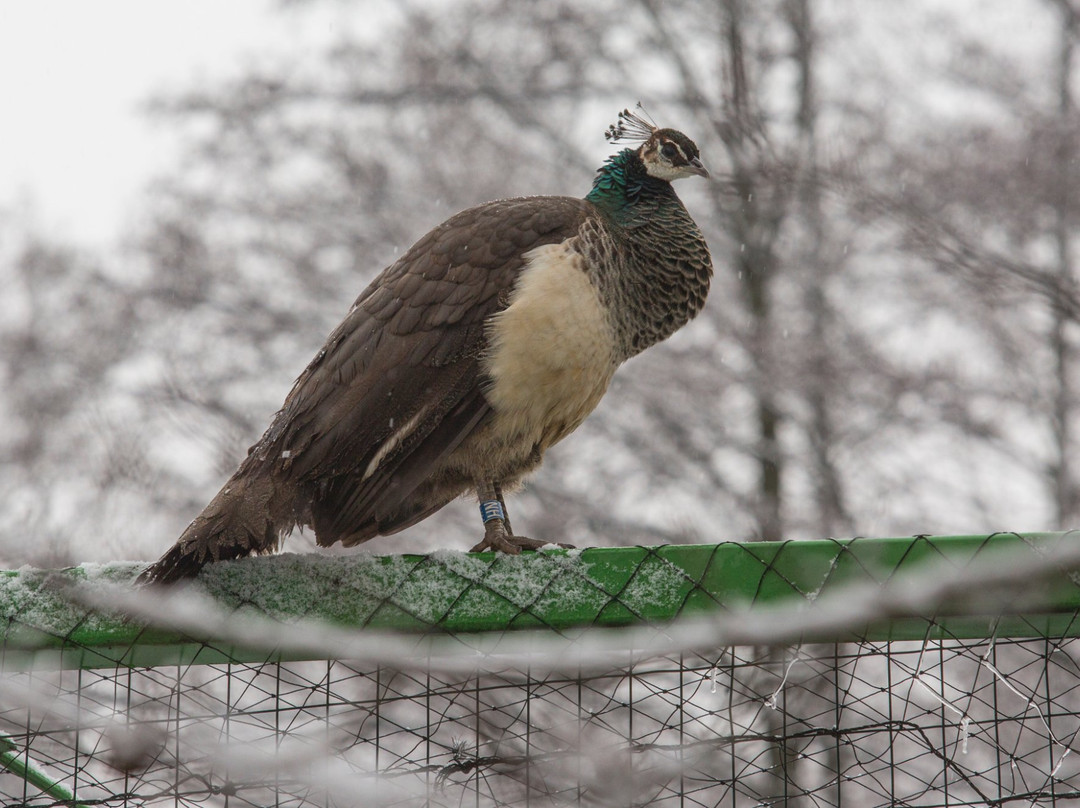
point(487, 342)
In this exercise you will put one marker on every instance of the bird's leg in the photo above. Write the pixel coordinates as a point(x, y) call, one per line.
point(498, 534)
point(497, 488)
point(496, 524)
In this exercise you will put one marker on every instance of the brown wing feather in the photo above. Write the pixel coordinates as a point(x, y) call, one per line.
point(351, 509)
point(408, 351)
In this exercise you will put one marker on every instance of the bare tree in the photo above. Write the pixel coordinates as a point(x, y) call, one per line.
point(989, 207)
point(70, 322)
point(1063, 475)
point(829, 387)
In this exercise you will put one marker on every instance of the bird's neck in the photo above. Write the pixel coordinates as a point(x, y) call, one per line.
point(645, 254)
point(622, 185)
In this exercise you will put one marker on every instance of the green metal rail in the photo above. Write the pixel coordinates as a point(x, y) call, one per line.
point(451, 592)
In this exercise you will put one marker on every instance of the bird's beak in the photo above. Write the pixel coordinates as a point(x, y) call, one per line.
point(696, 167)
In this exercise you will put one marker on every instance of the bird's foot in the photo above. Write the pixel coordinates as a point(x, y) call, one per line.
point(498, 539)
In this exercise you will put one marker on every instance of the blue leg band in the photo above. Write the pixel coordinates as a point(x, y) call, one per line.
point(492, 509)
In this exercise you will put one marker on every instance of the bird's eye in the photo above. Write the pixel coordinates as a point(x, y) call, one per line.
point(668, 151)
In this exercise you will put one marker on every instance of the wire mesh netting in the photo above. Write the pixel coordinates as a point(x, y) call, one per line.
point(940, 723)
point(664, 714)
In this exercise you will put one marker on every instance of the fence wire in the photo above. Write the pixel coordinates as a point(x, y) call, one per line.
point(864, 724)
point(942, 721)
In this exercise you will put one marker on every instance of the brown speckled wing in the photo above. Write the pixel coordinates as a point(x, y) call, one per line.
point(399, 383)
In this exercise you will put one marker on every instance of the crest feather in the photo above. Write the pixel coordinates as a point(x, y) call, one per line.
point(634, 126)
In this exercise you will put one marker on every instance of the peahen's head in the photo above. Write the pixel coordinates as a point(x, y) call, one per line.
point(670, 155)
point(667, 154)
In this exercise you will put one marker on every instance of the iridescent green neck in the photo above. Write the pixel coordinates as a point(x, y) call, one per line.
point(622, 182)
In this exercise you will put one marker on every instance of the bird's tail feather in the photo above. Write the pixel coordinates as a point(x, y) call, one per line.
point(236, 523)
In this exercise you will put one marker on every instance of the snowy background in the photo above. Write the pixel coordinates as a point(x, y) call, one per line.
point(192, 194)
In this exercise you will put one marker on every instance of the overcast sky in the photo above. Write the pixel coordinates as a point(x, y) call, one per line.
point(74, 147)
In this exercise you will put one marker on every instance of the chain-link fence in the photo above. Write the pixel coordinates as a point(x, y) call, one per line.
point(915, 672)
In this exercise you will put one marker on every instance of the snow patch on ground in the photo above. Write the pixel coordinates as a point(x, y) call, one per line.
point(446, 587)
point(33, 598)
point(355, 589)
point(657, 583)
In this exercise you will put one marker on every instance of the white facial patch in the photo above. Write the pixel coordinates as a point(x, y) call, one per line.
point(660, 167)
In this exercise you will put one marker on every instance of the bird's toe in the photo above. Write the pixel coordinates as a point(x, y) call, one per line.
point(513, 545)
